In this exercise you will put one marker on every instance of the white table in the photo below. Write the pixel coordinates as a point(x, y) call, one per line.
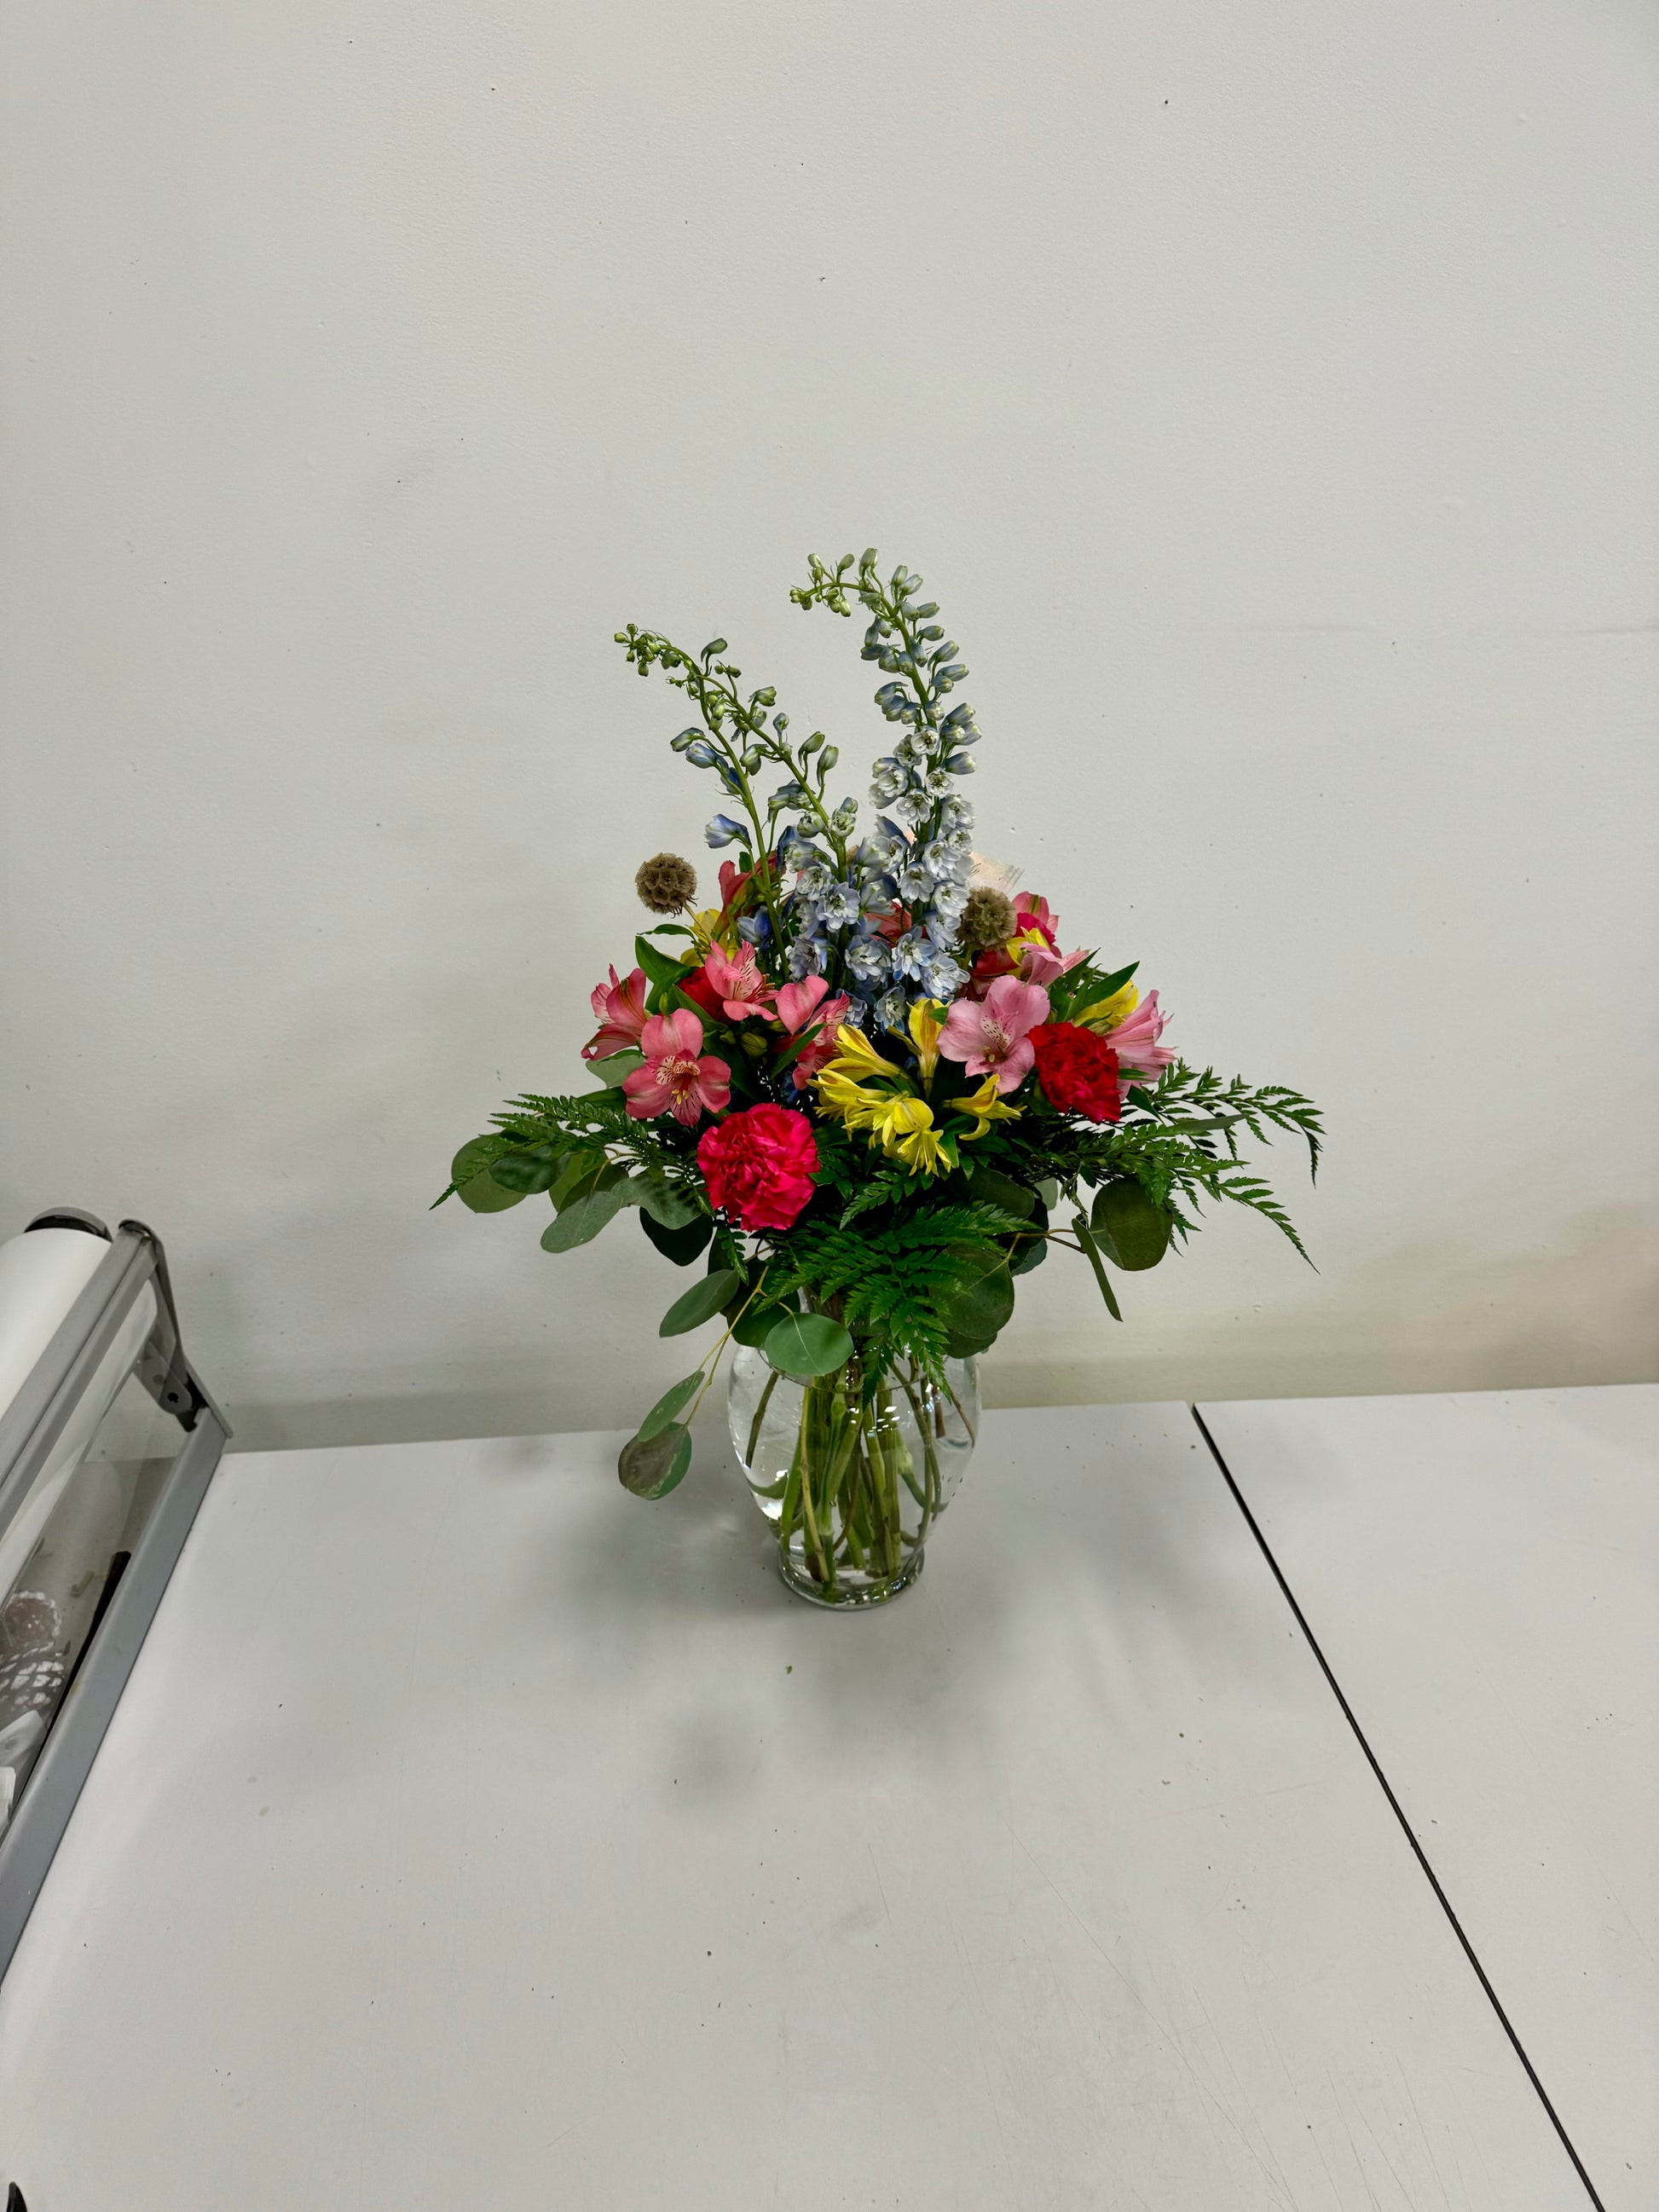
point(471, 1833)
point(1482, 1575)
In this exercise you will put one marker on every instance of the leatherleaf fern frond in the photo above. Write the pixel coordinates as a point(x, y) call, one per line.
point(898, 1283)
point(1196, 1103)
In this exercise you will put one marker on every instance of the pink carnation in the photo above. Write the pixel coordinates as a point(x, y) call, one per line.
point(759, 1166)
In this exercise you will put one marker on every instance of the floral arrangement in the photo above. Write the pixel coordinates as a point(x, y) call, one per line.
point(867, 1084)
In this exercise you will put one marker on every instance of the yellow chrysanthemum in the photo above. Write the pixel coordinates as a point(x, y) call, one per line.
point(986, 1106)
point(926, 1020)
point(1107, 1014)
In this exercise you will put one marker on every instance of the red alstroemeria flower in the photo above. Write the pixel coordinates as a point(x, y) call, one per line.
point(675, 1080)
point(620, 1009)
point(1078, 1070)
point(759, 1166)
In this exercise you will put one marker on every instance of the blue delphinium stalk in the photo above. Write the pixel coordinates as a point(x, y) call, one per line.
point(878, 919)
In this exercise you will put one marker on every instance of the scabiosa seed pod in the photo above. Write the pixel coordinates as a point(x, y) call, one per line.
point(988, 919)
point(666, 884)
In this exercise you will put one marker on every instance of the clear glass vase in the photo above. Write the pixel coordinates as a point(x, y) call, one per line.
point(852, 1469)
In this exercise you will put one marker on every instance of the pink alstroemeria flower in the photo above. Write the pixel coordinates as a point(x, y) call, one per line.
point(992, 1036)
point(1135, 1040)
point(1035, 946)
point(674, 1080)
point(737, 984)
point(620, 1009)
point(798, 1008)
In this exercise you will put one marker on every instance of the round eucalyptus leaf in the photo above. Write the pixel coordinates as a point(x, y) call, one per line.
point(534, 1169)
point(700, 1303)
point(756, 1323)
point(979, 1311)
point(670, 1204)
point(582, 1219)
point(682, 1246)
point(616, 1066)
point(476, 1188)
point(650, 1466)
point(1130, 1230)
point(668, 1406)
point(806, 1344)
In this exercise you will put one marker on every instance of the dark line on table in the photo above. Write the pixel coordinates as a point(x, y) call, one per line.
point(1398, 1814)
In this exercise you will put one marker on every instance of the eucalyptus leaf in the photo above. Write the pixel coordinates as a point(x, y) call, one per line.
point(979, 1311)
point(582, 1219)
point(580, 1167)
point(700, 1303)
point(524, 1171)
point(612, 1070)
point(651, 1466)
point(1086, 1238)
point(1001, 1190)
point(806, 1344)
point(682, 1246)
point(476, 1188)
point(1028, 1254)
point(668, 1406)
point(1131, 1230)
point(671, 1204)
point(755, 1323)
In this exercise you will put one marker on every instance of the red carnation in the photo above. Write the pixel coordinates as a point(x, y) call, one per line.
point(1077, 1070)
point(759, 1165)
point(701, 993)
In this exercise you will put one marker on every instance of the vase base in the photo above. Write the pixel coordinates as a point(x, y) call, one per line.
point(850, 1597)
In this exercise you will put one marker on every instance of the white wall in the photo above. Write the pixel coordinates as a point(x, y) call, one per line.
point(1267, 393)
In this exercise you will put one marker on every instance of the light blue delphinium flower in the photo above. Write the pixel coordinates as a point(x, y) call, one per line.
point(723, 830)
point(913, 955)
point(869, 962)
point(838, 903)
point(892, 1010)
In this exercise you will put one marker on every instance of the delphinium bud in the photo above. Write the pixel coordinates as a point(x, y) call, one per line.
point(666, 884)
point(986, 920)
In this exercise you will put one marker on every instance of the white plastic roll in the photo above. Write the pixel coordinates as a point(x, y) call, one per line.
point(42, 1272)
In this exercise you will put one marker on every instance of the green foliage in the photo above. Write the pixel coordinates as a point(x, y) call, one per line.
point(700, 1303)
point(650, 1467)
point(898, 1285)
point(808, 1344)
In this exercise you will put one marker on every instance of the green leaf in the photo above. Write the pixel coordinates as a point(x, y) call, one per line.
point(580, 1167)
point(1001, 1190)
point(682, 1246)
point(1048, 1192)
point(475, 1186)
point(755, 1323)
point(671, 1204)
point(651, 1466)
point(612, 1070)
point(660, 967)
point(1027, 1256)
point(667, 1405)
point(527, 1171)
point(804, 1345)
point(700, 1303)
point(979, 1311)
point(582, 1219)
point(1131, 1230)
point(1086, 1238)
